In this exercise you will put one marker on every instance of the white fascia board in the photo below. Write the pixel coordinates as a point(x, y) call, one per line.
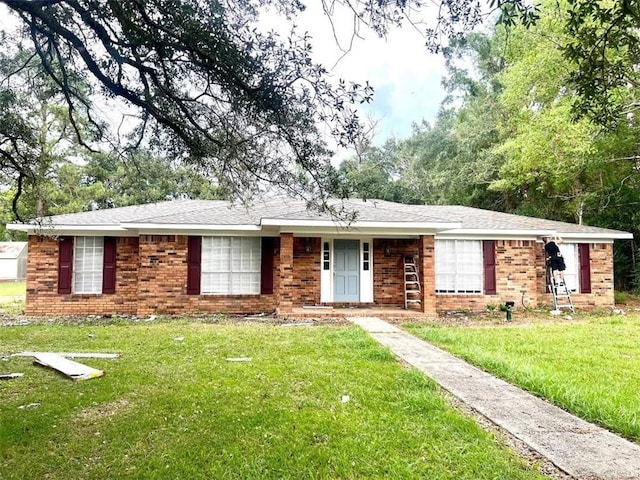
point(414, 226)
point(78, 230)
point(594, 237)
point(166, 228)
point(494, 234)
point(22, 227)
point(597, 236)
point(344, 232)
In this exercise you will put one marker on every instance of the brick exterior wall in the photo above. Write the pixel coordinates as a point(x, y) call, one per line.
point(151, 279)
point(42, 282)
point(517, 281)
point(388, 270)
point(163, 283)
point(306, 271)
point(427, 271)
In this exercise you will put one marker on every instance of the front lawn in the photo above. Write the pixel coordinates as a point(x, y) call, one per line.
point(313, 402)
point(12, 289)
point(590, 368)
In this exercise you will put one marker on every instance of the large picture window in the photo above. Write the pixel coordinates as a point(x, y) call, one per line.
point(230, 265)
point(459, 266)
point(88, 255)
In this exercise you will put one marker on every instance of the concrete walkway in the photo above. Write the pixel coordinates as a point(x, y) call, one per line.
point(576, 447)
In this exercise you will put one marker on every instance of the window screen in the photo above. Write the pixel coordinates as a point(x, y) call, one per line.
point(88, 256)
point(230, 265)
point(459, 266)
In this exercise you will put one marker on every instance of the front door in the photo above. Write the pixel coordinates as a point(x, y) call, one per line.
point(346, 270)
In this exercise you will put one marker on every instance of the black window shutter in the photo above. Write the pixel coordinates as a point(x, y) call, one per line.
point(266, 267)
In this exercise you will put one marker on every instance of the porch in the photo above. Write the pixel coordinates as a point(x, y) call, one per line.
point(319, 311)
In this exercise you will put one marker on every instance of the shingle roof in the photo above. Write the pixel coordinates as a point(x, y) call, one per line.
point(10, 250)
point(190, 213)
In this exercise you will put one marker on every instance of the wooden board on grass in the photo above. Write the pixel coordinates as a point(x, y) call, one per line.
point(73, 370)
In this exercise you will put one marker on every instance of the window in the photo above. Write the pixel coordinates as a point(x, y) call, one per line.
point(230, 265)
point(365, 256)
point(326, 255)
point(459, 266)
point(88, 255)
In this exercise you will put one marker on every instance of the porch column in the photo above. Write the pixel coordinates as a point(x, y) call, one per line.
point(426, 245)
point(285, 294)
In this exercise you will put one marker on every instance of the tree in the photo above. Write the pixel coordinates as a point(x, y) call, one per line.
point(210, 87)
point(37, 133)
point(207, 85)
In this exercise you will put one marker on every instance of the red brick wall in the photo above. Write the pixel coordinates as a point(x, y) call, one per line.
point(520, 277)
point(428, 274)
point(151, 278)
point(602, 293)
point(163, 283)
point(285, 291)
point(306, 271)
point(42, 282)
point(388, 270)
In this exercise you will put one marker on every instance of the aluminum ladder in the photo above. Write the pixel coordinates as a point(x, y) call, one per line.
point(412, 290)
point(560, 293)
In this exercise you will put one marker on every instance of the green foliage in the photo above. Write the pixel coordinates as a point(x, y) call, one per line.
point(507, 139)
point(590, 368)
point(178, 409)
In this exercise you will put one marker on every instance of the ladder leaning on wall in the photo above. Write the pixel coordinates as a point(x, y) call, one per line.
point(560, 292)
point(412, 290)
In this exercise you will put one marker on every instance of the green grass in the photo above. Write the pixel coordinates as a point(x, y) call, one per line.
point(591, 369)
point(11, 289)
point(178, 409)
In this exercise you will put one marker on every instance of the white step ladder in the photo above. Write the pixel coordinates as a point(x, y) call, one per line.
point(412, 290)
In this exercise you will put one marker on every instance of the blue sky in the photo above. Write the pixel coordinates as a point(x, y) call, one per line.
point(405, 76)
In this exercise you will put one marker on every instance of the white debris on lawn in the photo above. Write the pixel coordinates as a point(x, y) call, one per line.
point(239, 359)
point(73, 370)
point(70, 354)
point(60, 361)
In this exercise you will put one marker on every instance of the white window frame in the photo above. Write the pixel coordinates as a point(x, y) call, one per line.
point(459, 267)
point(572, 272)
point(230, 266)
point(88, 264)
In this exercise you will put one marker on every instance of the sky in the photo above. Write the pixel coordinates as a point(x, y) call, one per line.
point(405, 76)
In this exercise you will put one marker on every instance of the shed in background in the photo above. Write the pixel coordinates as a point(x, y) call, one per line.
point(13, 260)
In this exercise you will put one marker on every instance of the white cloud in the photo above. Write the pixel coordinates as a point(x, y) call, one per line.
point(405, 76)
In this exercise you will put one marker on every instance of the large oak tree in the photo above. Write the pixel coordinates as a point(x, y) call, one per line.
point(208, 85)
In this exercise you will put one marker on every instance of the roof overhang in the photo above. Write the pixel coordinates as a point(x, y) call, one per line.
point(443, 230)
point(37, 229)
point(500, 234)
point(167, 228)
point(597, 236)
point(434, 226)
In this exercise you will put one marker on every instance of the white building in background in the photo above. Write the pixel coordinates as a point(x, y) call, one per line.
point(13, 260)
